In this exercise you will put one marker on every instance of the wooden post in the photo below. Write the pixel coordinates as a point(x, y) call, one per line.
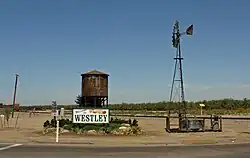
point(203, 125)
point(211, 121)
point(14, 95)
point(220, 123)
point(167, 124)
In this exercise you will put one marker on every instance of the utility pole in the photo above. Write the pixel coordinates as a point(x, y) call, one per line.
point(14, 95)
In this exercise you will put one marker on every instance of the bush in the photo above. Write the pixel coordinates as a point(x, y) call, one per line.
point(52, 123)
point(46, 124)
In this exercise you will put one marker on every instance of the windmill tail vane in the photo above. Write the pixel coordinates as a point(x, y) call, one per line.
point(189, 30)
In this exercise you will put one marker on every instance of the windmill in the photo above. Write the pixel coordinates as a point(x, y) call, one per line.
point(177, 93)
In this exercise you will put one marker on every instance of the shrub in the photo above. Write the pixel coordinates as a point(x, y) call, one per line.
point(46, 124)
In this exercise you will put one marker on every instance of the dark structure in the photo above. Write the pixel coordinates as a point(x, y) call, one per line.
point(94, 91)
point(186, 123)
point(14, 95)
point(196, 124)
point(177, 88)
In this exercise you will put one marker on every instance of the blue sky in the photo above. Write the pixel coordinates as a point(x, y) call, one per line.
point(49, 43)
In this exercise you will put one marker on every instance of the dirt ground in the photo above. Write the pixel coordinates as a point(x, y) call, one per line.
point(28, 130)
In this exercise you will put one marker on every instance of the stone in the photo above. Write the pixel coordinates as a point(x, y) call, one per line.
point(79, 132)
point(53, 130)
point(136, 130)
point(123, 128)
point(65, 131)
point(92, 132)
point(116, 132)
point(49, 130)
point(125, 125)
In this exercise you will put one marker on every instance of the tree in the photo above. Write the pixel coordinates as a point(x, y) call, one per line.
point(78, 100)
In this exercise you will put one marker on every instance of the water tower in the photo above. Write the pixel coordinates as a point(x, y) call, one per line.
point(94, 93)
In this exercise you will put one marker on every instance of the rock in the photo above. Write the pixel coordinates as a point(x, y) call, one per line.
point(65, 131)
point(120, 132)
point(44, 131)
point(125, 125)
point(61, 130)
point(136, 130)
point(127, 131)
point(92, 132)
point(53, 130)
point(101, 132)
point(116, 132)
point(123, 128)
point(79, 131)
point(49, 130)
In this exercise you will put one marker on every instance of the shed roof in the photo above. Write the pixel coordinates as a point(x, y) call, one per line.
point(94, 72)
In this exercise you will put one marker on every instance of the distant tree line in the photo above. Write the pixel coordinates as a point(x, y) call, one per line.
point(222, 104)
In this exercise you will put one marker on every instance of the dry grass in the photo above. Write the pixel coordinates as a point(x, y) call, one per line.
point(29, 130)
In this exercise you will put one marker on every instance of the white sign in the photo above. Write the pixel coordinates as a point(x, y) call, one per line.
point(55, 113)
point(90, 116)
point(202, 105)
point(62, 112)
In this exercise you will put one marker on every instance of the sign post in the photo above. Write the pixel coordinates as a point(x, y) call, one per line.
point(57, 131)
point(55, 113)
point(54, 107)
point(202, 105)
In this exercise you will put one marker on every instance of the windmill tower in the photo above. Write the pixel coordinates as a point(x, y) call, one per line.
point(177, 93)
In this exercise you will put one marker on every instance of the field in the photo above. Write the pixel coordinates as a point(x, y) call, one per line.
point(28, 129)
point(221, 107)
